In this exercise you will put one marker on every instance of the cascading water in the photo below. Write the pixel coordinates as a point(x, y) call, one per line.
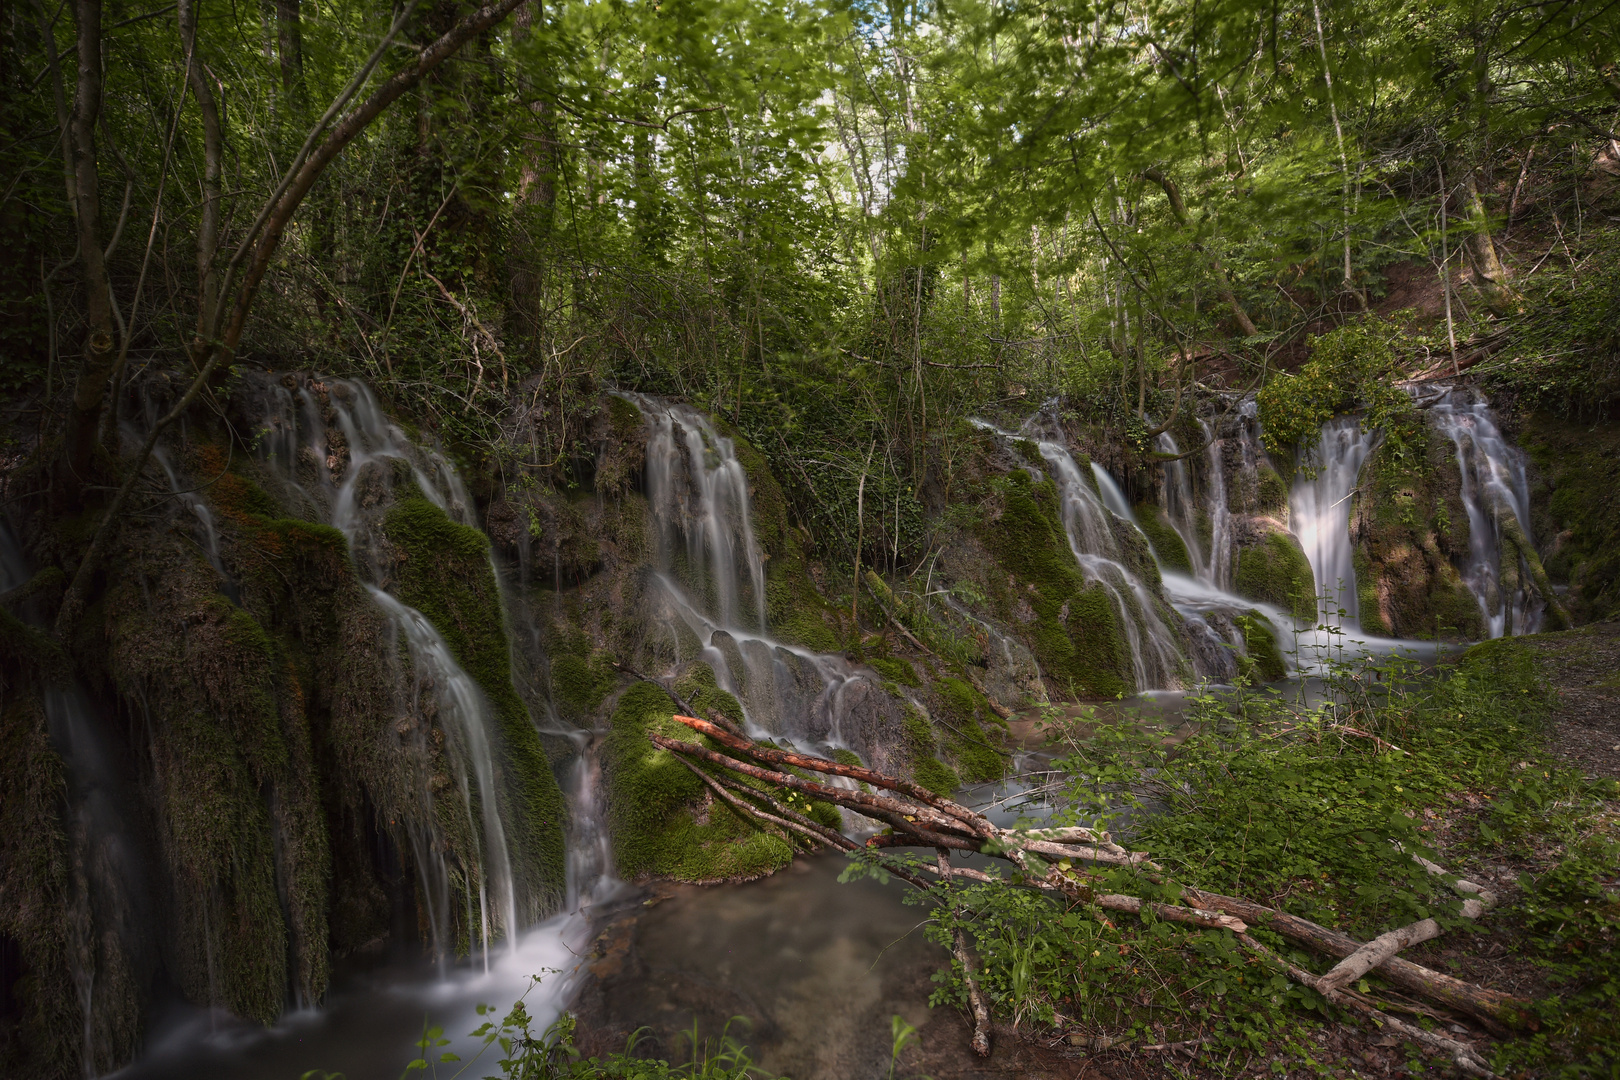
point(1496, 494)
point(1180, 508)
point(345, 472)
point(109, 893)
point(1209, 609)
point(1157, 661)
point(711, 583)
point(1319, 512)
point(1218, 570)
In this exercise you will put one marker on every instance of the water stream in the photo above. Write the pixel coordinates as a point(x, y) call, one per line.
point(1495, 492)
point(1319, 513)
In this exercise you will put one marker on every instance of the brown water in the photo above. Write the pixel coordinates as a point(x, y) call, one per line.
point(806, 971)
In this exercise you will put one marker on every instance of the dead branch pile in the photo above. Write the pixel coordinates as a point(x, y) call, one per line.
point(917, 817)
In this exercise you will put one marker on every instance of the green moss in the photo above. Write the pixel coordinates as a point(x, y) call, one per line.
point(1074, 634)
point(936, 776)
point(446, 574)
point(1372, 616)
point(895, 668)
point(1168, 546)
point(699, 687)
point(1580, 511)
point(1263, 659)
point(967, 711)
point(1276, 571)
point(35, 903)
point(1273, 492)
point(848, 757)
point(654, 802)
point(579, 684)
point(623, 415)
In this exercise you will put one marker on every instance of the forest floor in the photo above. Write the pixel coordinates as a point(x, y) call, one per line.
point(835, 1024)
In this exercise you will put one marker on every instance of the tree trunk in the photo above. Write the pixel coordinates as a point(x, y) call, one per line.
point(290, 51)
point(213, 155)
point(95, 365)
point(1488, 269)
point(1223, 285)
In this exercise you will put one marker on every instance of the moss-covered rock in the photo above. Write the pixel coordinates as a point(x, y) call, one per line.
point(1070, 625)
point(1411, 529)
point(1577, 508)
point(444, 571)
point(1167, 543)
point(1272, 567)
point(1262, 659)
point(664, 820)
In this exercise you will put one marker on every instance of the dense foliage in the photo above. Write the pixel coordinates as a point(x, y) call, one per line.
point(841, 224)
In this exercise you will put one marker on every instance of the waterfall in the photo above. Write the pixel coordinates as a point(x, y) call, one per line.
point(109, 893)
point(344, 468)
point(1496, 495)
point(1319, 511)
point(466, 718)
point(1203, 599)
point(699, 495)
point(1218, 571)
point(1157, 660)
point(1180, 508)
point(710, 584)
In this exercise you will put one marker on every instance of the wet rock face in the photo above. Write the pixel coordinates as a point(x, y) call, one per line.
point(1270, 566)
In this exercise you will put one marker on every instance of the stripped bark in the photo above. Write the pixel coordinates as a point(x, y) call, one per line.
point(1495, 1011)
point(1376, 951)
point(1463, 1055)
point(976, 1002)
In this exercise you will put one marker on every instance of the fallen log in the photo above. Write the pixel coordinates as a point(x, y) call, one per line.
point(1376, 951)
point(1497, 1012)
point(976, 1002)
point(860, 801)
point(773, 756)
point(933, 821)
point(1465, 1056)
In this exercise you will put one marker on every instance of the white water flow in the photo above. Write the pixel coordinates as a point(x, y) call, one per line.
point(1180, 508)
point(351, 460)
point(1496, 493)
point(711, 584)
point(1157, 662)
point(465, 717)
point(1202, 597)
point(1319, 512)
point(699, 494)
point(1218, 570)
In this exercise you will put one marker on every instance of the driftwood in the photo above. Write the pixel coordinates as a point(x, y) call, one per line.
point(919, 818)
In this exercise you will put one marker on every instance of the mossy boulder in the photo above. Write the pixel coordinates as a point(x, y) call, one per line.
point(1576, 508)
point(1038, 590)
point(664, 820)
point(1262, 659)
point(443, 570)
point(1167, 543)
point(1272, 567)
point(1410, 529)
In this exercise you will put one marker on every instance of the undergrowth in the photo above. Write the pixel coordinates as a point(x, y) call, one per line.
point(1315, 807)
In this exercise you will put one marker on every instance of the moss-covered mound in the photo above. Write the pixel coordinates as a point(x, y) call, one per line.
point(1411, 529)
point(1070, 625)
point(444, 571)
point(1273, 568)
point(664, 819)
point(1167, 543)
point(1577, 510)
point(1263, 659)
